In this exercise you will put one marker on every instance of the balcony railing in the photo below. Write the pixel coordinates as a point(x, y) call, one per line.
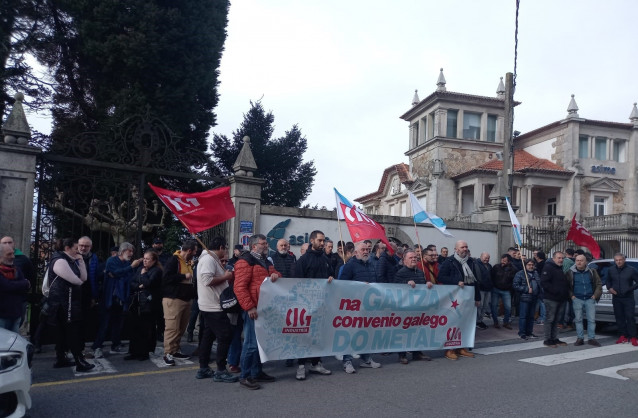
point(625, 220)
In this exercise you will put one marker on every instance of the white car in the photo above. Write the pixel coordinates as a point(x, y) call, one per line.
point(16, 357)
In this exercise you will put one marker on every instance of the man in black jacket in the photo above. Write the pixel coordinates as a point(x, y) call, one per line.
point(283, 260)
point(622, 280)
point(314, 264)
point(556, 290)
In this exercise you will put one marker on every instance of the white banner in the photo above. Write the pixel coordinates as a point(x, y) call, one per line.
point(300, 318)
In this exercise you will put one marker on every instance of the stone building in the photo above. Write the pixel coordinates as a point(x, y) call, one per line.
point(573, 165)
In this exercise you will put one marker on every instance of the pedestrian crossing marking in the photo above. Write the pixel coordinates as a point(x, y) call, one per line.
point(572, 356)
point(102, 365)
point(613, 371)
point(159, 362)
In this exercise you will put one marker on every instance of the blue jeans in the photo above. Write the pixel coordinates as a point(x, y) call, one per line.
point(115, 316)
point(234, 354)
point(526, 317)
point(250, 361)
point(507, 304)
point(10, 324)
point(590, 311)
point(540, 304)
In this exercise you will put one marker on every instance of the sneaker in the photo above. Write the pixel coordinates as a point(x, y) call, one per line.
point(523, 337)
point(234, 369)
point(319, 369)
point(507, 325)
point(594, 342)
point(533, 336)
point(370, 364)
point(118, 349)
point(181, 355)
point(263, 377)
point(634, 341)
point(540, 322)
point(549, 343)
point(206, 373)
point(97, 353)
point(348, 367)
point(225, 377)
point(622, 340)
point(249, 384)
point(168, 360)
point(559, 342)
point(481, 325)
point(579, 341)
point(301, 373)
point(339, 357)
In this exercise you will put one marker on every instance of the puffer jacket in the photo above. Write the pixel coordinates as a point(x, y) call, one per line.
point(358, 270)
point(249, 274)
point(520, 285)
point(554, 282)
point(62, 294)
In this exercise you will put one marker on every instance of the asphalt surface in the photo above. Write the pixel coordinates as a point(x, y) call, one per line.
point(505, 380)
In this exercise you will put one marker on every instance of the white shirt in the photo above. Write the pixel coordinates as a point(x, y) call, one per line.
point(209, 267)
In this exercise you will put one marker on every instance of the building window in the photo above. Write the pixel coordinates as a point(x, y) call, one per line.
point(403, 209)
point(491, 128)
point(391, 210)
point(551, 206)
point(599, 205)
point(600, 148)
point(583, 146)
point(471, 125)
point(431, 125)
point(414, 135)
point(452, 117)
point(620, 151)
point(422, 130)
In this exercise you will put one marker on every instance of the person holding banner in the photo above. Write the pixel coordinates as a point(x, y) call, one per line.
point(411, 275)
point(460, 269)
point(250, 270)
point(359, 269)
point(314, 264)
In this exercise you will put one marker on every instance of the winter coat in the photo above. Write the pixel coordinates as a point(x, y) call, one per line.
point(451, 272)
point(405, 274)
point(63, 295)
point(314, 265)
point(249, 274)
point(143, 301)
point(520, 285)
point(174, 275)
point(388, 266)
point(596, 283)
point(624, 281)
point(554, 282)
point(13, 293)
point(503, 276)
point(284, 263)
point(117, 275)
point(359, 271)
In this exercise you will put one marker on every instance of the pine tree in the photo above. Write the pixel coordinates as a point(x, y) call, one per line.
point(288, 180)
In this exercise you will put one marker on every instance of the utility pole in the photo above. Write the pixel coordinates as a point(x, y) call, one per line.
point(508, 138)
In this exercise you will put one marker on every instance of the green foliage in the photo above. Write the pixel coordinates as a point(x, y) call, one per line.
point(288, 180)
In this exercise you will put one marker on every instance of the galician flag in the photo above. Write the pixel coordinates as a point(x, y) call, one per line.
point(360, 226)
point(516, 225)
point(421, 216)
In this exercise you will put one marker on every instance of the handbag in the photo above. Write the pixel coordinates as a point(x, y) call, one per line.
point(229, 301)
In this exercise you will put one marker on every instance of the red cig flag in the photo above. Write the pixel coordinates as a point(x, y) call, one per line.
point(198, 211)
point(581, 236)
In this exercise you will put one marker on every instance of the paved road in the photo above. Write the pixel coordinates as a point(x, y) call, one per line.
point(508, 377)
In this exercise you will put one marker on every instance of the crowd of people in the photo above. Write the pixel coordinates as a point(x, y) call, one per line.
point(162, 295)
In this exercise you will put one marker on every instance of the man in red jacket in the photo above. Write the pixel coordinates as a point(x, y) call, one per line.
point(250, 270)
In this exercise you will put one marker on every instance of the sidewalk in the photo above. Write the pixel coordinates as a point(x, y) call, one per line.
point(492, 334)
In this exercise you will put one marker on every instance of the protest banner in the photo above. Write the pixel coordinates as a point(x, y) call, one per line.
point(300, 318)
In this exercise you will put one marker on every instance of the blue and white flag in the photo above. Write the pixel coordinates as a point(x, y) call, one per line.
point(516, 225)
point(421, 216)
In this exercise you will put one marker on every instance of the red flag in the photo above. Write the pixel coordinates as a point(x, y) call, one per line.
point(198, 211)
point(359, 225)
point(581, 236)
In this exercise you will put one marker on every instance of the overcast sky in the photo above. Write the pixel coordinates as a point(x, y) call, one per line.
point(344, 71)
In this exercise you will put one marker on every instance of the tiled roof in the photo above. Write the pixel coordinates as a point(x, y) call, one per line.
point(402, 170)
point(524, 162)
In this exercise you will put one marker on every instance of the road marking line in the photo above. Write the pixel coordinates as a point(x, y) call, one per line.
point(572, 356)
point(112, 376)
point(102, 365)
point(511, 348)
point(613, 371)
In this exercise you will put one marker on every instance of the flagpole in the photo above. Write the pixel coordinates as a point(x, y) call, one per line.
point(418, 240)
point(343, 247)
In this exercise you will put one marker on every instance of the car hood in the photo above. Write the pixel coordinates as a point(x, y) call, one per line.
point(7, 339)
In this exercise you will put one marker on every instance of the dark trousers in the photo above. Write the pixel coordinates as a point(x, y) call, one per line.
point(67, 335)
point(193, 318)
point(216, 327)
point(552, 309)
point(526, 317)
point(113, 316)
point(313, 360)
point(624, 313)
point(142, 334)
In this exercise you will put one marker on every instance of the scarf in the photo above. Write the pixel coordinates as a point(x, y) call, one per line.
point(8, 271)
point(468, 276)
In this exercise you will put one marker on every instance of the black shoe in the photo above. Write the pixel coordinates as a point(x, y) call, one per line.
point(189, 337)
point(523, 337)
point(83, 365)
point(181, 355)
point(263, 377)
point(559, 342)
point(549, 343)
point(481, 325)
point(249, 384)
point(61, 363)
point(579, 341)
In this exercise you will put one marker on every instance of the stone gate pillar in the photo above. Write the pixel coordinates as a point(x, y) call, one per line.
point(245, 190)
point(17, 177)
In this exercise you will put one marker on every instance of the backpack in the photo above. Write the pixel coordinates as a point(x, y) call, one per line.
point(228, 300)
